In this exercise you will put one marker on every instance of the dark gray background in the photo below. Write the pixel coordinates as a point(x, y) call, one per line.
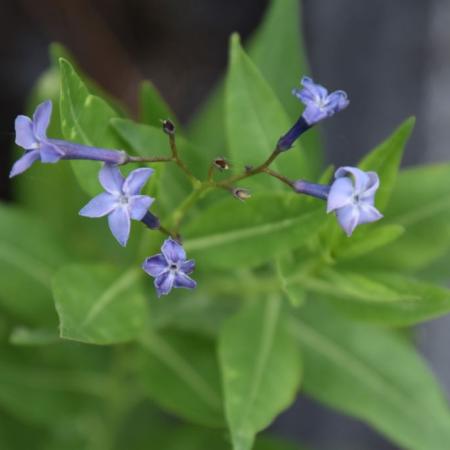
point(393, 58)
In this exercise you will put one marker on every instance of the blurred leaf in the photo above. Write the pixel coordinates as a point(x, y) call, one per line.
point(362, 243)
point(255, 119)
point(385, 298)
point(30, 252)
point(420, 203)
point(282, 62)
point(85, 120)
point(232, 234)
point(99, 304)
point(180, 372)
point(261, 369)
point(28, 336)
point(153, 107)
point(58, 51)
point(385, 160)
point(373, 375)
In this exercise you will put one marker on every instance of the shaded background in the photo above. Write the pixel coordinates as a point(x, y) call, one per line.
point(392, 57)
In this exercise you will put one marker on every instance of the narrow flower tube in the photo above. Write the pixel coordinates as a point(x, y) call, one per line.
point(312, 189)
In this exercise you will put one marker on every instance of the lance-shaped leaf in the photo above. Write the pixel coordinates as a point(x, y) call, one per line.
point(385, 160)
point(231, 233)
point(85, 120)
point(384, 298)
point(179, 371)
point(421, 204)
point(261, 369)
point(372, 374)
point(153, 107)
point(99, 304)
point(276, 49)
point(255, 119)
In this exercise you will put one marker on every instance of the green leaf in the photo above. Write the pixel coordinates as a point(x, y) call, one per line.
point(30, 252)
point(232, 233)
point(85, 120)
point(386, 298)
point(261, 369)
point(153, 107)
point(99, 304)
point(421, 204)
point(180, 372)
point(385, 160)
point(363, 243)
point(27, 336)
point(255, 119)
point(373, 375)
point(282, 63)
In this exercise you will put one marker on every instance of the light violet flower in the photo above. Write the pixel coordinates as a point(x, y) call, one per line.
point(122, 200)
point(170, 268)
point(31, 135)
point(319, 105)
point(352, 198)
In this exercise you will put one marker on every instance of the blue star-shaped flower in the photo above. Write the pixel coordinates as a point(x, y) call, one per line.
point(170, 268)
point(31, 135)
point(122, 200)
point(352, 198)
point(319, 104)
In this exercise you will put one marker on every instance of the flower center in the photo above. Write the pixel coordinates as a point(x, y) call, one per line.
point(173, 267)
point(123, 200)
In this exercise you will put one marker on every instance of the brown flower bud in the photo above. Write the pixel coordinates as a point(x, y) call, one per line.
point(168, 127)
point(241, 193)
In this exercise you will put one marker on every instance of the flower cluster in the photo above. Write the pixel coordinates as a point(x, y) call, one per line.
point(351, 196)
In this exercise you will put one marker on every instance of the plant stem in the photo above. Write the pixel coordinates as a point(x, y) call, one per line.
point(280, 177)
point(150, 159)
point(179, 161)
point(254, 171)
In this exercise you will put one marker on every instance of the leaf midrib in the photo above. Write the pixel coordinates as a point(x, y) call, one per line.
point(216, 239)
point(349, 363)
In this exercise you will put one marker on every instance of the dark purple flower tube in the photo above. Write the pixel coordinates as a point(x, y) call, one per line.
point(285, 142)
point(312, 189)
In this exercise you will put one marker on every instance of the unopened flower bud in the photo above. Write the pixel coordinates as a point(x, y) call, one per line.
point(168, 127)
point(221, 164)
point(241, 193)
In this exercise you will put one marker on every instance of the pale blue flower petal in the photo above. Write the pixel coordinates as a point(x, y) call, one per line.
point(173, 251)
point(368, 214)
point(164, 283)
point(119, 223)
point(136, 180)
point(155, 265)
point(111, 179)
point(99, 206)
point(24, 163)
point(360, 178)
point(139, 205)
point(184, 281)
point(341, 194)
point(25, 137)
point(41, 119)
point(348, 218)
point(50, 153)
point(188, 266)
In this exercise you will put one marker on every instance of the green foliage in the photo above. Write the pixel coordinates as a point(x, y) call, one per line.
point(372, 374)
point(99, 304)
point(179, 371)
point(250, 233)
point(261, 369)
point(85, 120)
point(231, 355)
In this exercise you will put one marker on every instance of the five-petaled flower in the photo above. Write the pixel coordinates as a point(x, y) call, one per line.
point(170, 268)
point(122, 200)
point(31, 135)
point(352, 198)
point(319, 104)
